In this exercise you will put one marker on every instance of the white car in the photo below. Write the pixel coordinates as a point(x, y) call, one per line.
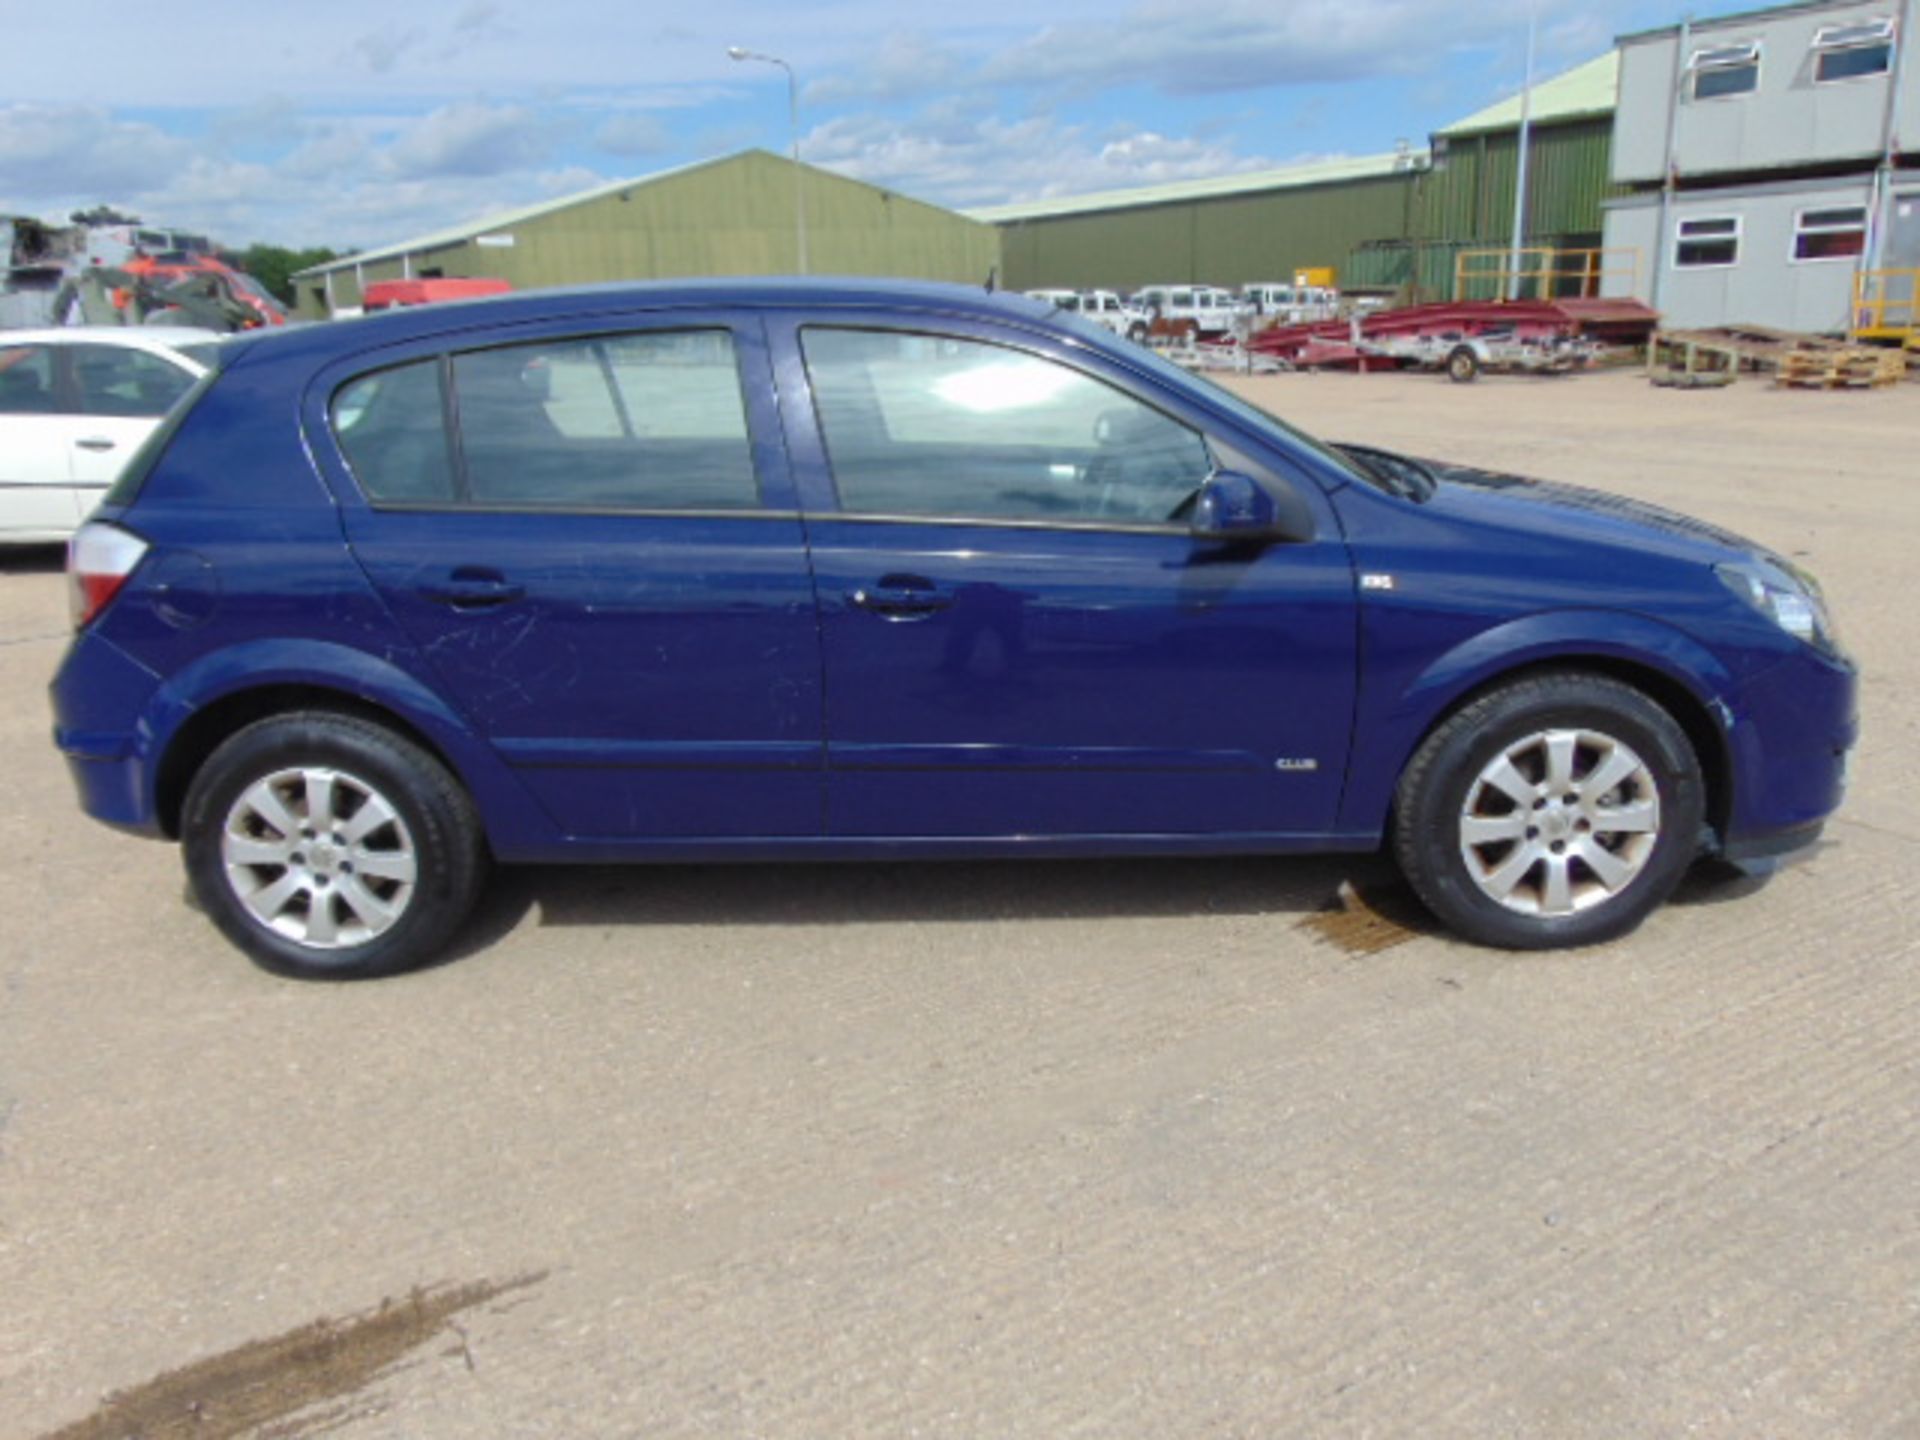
point(75, 403)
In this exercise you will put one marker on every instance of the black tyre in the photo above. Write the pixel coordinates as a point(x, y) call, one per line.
point(1138, 332)
point(1555, 811)
point(329, 847)
point(1463, 366)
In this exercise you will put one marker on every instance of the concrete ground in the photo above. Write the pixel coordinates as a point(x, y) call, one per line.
point(1100, 1149)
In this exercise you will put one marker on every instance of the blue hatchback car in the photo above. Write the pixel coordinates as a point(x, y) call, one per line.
point(786, 570)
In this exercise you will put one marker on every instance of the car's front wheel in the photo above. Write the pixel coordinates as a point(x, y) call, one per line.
point(1557, 810)
point(326, 846)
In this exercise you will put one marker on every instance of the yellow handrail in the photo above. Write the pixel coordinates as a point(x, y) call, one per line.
point(1886, 305)
point(1544, 272)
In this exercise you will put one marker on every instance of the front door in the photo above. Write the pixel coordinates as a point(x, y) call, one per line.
point(1021, 637)
point(604, 570)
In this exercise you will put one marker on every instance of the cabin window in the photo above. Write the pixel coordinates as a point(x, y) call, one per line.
point(1700, 244)
point(1853, 51)
point(1838, 233)
point(1725, 70)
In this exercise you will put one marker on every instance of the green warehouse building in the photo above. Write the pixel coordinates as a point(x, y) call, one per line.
point(730, 216)
point(1388, 222)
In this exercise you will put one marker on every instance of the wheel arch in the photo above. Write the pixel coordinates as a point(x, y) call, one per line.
point(1662, 662)
point(201, 706)
point(1693, 715)
point(212, 725)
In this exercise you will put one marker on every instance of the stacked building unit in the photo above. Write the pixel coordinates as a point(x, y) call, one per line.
point(1769, 156)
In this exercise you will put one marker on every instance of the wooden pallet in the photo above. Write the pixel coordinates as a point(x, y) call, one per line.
point(1841, 369)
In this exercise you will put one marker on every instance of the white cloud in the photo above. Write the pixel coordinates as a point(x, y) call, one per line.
point(82, 153)
point(993, 160)
point(472, 138)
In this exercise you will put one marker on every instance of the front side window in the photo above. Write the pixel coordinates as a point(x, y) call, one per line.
point(113, 380)
point(1836, 234)
point(26, 380)
point(1700, 244)
point(933, 425)
point(651, 421)
point(1725, 70)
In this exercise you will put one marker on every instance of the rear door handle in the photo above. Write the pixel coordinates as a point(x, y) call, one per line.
point(95, 442)
point(473, 590)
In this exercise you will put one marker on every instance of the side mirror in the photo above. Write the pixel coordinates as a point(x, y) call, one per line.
point(1233, 508)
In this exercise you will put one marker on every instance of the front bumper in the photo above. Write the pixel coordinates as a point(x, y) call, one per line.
point(1788, 736)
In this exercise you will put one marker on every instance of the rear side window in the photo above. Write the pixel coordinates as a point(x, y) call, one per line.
point(650, 421)
point(114, 380)
point(392, 429)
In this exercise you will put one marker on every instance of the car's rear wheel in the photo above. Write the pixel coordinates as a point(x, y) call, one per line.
point(1558, 810)
point(326, 846)
point(1463, 366)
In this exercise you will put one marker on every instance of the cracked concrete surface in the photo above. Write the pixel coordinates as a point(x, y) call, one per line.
point(1121, 1149)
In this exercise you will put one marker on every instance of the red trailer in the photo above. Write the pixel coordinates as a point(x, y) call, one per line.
point(1463, 336)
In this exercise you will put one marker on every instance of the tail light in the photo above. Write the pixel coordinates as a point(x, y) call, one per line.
point(100, 557)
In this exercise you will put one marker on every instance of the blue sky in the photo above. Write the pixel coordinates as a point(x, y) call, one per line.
point(360, 122)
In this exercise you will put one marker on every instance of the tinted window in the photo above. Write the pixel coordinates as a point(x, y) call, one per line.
point(392, 429)
point(648, 421)
point(931, 425)
point(1707, 242)
point(1850, 64)
point(112, 380)
point(26, 380)
point(1718, 80)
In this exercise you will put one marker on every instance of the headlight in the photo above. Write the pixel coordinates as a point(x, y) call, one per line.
point(1786, 595)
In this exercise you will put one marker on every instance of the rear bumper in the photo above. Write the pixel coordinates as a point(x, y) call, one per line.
point(99, 695)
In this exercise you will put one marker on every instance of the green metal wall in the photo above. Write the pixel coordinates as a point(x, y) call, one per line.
point(1468, 194)
point(1228, 240)
point(1394, 231)
point(734, 217)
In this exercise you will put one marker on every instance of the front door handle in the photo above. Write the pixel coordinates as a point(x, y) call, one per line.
point(95, 442)
point(468, 589)
point(901, 597)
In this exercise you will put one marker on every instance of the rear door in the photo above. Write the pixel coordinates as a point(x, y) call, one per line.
point(119, 395)
point(592, 539)
point(36, 481)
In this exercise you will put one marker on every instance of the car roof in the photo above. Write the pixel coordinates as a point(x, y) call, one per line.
point(322, 342)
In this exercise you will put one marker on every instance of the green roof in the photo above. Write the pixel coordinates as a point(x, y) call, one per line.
point(1321, 172)
point(1585, 90)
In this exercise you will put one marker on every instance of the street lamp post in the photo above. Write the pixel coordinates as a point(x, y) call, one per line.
point(735, 52)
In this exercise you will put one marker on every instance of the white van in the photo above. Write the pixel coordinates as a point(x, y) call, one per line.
point(1208, 306)
point(1292, 304)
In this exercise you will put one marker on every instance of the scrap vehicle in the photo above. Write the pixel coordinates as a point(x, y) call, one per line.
point(125, 274)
